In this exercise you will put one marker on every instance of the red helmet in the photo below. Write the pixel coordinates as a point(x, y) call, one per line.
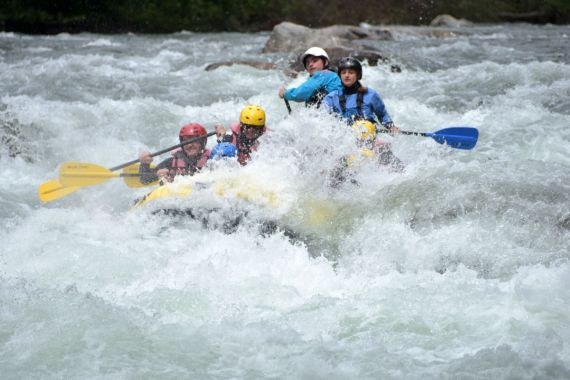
point(192, 130)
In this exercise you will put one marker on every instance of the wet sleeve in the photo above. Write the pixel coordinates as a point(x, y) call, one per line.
point(306, 90)
point(379, 110)
point(148, 174)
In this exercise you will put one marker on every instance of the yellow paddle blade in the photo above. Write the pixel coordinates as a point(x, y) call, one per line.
point(83, 174)
point(53, 189)
point(132, 181)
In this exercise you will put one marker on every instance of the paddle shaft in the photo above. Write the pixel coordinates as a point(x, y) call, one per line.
point(288, 105)
point(424, 134)
point(186, 142)
point(100, 175)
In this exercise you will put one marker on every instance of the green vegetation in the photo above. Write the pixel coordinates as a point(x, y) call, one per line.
point(165, 16)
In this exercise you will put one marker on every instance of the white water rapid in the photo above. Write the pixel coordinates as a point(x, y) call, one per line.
point(457, 268)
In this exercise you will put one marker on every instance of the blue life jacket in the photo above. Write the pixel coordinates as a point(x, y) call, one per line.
point(364, 103)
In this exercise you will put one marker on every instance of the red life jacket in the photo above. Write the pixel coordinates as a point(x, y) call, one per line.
point(244, 151)
point(181, 164)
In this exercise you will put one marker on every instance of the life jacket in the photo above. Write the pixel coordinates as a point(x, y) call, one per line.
point(181, 164)
point(244, 149)
point(362, 155)
point(360, 92)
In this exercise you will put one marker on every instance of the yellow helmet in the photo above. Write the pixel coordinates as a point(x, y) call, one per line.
point(253, 115)
point(364, 130)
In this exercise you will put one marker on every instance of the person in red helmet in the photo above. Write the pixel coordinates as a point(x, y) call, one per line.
point(185, 161)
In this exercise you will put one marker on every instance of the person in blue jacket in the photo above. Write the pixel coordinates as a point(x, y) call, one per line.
point(321, 80)
point(354, 101)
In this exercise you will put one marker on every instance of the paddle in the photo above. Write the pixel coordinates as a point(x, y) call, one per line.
point(288, 105)
point(185, 142)
point(86, 174)
point(455, 137)
point(133, 180)
point(54, 189)
point(80, 174)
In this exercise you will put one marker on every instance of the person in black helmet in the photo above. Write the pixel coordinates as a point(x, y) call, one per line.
point(356, 102)
point(360, 106)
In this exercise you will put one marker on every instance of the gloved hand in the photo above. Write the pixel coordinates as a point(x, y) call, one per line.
point(145, 158)
point(392, 128)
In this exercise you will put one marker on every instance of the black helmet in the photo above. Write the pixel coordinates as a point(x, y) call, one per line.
point(350, 63)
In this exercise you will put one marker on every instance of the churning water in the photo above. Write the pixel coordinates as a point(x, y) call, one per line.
point(457, 268)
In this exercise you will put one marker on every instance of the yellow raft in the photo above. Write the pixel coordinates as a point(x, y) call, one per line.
point(274, 201)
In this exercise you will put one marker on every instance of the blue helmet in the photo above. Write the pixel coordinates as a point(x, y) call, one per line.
point(224, 149)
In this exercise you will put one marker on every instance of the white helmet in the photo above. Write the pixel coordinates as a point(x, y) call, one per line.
point(316, 52)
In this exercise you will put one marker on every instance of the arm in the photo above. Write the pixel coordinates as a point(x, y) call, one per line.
point(305, 90)
point(149, 175)
point(380, 111)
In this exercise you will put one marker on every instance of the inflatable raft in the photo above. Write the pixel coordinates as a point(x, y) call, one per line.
point(237, 196)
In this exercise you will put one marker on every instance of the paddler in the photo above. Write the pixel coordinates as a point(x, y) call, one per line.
point(321, 79)
point(369, 148)
point(353, 101)
point(185, 161)
point(244, 134)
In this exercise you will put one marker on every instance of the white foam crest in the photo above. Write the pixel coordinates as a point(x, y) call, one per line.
point(104, 42)
point(456, 267)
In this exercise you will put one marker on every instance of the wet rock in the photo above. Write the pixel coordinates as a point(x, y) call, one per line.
point(450, 21)
point(290, 37)
point(286, 36)
point(256, 64)
point(338, 40)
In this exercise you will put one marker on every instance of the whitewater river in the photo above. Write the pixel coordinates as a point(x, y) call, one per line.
point(457, 268)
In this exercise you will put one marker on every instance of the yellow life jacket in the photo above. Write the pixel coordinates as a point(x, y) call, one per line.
point(362, 156)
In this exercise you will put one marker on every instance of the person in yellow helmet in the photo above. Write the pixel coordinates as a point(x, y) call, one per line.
point(369, 148)
point(244, 134)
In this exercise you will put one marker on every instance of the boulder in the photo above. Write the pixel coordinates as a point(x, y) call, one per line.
point(450, 21)
point(337, 40)
point(290, 37)
point(286, 37)
point(256, 64)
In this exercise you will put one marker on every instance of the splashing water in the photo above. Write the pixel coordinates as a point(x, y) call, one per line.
point(456, 268)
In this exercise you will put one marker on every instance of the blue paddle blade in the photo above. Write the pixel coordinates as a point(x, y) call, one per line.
point(456, 137)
